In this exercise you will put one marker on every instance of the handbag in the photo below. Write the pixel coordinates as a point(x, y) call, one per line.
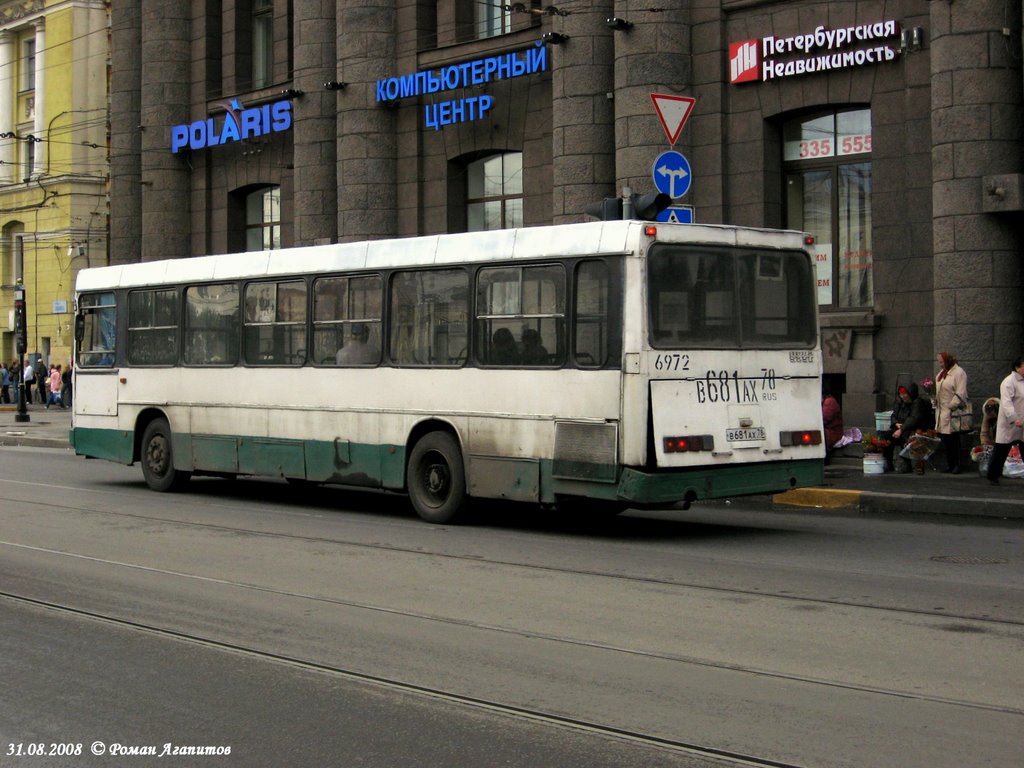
point(962, 419)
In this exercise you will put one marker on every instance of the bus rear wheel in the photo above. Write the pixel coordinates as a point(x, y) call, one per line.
point(436, 479)
point(158, 458)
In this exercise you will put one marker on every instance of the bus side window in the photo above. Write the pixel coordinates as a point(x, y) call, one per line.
point(275, 323)
point(590, 345)
point(211, 324)
point(521, 316)
point(98, 344)
point(153, 327)
point(429, 317)
point(347, 320)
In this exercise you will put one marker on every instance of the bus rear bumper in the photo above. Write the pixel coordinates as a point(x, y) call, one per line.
point(658, 488)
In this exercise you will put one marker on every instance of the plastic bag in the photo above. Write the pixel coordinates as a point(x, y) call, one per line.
point(920, 447)
point(1014, 466)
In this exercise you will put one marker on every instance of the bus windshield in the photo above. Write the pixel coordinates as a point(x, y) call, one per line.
point(723, 298)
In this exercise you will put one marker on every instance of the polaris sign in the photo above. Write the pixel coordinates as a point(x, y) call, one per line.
point(238, 124)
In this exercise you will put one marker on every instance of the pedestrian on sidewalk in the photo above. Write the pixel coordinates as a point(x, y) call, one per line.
point(910, 414)
point(950, 394)
point(55, 384)
point(42, 381)
point(5, 384)
point(1010, 425)
point(65, 385)
point(28, 379)
point(15, 376)
point(832, 420)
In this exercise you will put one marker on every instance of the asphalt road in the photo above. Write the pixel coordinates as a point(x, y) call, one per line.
point(305, 626)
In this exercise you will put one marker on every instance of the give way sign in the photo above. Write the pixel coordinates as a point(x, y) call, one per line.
point(673, 112)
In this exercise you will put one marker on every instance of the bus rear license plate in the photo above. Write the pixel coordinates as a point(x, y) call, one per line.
point(744, 435)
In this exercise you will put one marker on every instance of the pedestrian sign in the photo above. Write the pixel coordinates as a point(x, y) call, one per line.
point(671, 174)
point(676, 214)
point(673, 111)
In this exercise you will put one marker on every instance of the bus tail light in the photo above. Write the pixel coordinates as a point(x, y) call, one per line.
point(689, 443)
point(651, 231)
point(800, 437)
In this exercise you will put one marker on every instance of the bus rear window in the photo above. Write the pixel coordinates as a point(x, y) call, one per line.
point(728, 298)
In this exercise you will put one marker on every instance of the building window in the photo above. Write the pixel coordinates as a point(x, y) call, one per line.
point(28, 64)
point(263, 219)
point(14, 253)
point(827, 161)
point(262, 43)
point(494, 192)
point(492, 18)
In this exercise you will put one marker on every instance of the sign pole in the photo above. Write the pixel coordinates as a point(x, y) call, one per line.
point(21, 346)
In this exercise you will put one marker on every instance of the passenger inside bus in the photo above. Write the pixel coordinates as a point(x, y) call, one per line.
point(503, 348)
point(359, 350)
point(534, 353)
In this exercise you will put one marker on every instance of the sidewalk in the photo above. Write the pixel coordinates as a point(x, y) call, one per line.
point(846, 487)
point(46, 427)
point(968, 494)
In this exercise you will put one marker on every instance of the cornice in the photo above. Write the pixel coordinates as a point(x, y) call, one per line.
point(20, 9)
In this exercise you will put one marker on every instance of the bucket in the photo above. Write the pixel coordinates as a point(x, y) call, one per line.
point(874, 464)
point(882, 420)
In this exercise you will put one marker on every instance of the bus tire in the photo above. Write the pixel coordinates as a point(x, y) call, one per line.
point(436, 479)
point(158, 458)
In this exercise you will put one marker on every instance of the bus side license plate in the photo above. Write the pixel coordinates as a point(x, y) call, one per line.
point(744, 435)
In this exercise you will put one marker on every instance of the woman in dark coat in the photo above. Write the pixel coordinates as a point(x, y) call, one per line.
point(910, 414)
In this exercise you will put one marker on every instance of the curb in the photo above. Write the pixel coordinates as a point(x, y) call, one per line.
point(819, 497)
point(881, 504)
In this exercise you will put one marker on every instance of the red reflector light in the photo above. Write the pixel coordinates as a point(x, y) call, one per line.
point(688, 443)
point(651, 231)
point(800, 437)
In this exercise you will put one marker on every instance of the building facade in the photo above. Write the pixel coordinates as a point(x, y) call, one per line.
point(53, 164)
point(892, 130)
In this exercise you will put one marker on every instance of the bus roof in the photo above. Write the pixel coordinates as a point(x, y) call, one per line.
point(587, 239)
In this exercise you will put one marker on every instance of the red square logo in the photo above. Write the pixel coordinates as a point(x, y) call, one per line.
point(744, 62)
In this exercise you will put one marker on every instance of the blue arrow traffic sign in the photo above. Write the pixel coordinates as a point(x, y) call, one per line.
point(671, 174)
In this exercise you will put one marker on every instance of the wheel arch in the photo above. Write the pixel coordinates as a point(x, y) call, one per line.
point(425, 427)
point(146, 417)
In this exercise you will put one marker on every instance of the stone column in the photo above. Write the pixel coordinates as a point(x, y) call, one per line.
point(166, 57)
point(125, 135)
point(653, 57)
point(976, 131)
point(315, 126)
point(8, 156)
point(367, 147)
point(583, 111)
point(39, 128)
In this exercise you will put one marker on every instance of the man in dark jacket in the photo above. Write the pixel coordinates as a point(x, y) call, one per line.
point(910, 414)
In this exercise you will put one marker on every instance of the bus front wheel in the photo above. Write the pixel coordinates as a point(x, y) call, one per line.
point(158, 458)
point(437, 479)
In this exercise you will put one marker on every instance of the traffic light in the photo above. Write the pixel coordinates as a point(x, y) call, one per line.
point(643, 207)
point(647, 207)
point(609, 209)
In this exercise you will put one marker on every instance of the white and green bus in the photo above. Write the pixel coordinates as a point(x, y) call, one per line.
point(606, 364)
